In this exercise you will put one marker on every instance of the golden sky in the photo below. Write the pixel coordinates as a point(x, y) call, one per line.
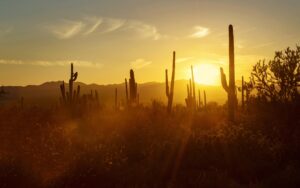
point(104, 39)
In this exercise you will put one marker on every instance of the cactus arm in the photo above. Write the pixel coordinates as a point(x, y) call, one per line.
point(191, 88)
point(74, 77)
point(126, 90)
point(167, 84)
point(173, 74)
point(188, 91)
point(193, 83)
point(63, 92)
point(223, 80)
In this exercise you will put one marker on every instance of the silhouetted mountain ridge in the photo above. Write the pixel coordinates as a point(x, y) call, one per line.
point(49, 92)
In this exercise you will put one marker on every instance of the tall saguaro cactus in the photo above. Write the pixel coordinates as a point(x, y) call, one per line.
point(170, 91)
point(72, 95)
point(230, 89)
point(72, 79)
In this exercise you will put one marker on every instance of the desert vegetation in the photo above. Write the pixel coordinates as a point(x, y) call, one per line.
point(252, 142)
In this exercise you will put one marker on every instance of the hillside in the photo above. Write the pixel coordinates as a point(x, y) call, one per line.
point(49, 92)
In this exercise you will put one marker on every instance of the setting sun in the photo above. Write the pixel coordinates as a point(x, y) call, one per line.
point(207, 74)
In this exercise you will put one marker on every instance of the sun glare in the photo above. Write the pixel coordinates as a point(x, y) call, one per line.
point(207, 74)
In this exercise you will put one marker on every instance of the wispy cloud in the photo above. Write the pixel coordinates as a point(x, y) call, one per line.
point(184, 59)
point(140, 63)
point(111, 25)
point(66, 29)
point(143, 30)
point(94, 23)
point(200, 32)
point(44, 63)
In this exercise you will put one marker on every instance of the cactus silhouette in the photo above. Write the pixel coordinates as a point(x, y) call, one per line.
point(133, 95)
point(73, 95)
point(170, 91)
point(191, 97)
point(199, 98)
point(72, 79)
point(230, 89)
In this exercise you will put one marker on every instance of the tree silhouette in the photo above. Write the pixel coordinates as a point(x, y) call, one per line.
point(279, 79)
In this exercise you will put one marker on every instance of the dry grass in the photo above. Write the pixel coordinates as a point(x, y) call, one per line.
point(145, 147)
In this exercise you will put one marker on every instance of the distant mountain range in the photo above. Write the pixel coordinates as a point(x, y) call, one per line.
point(49, 92)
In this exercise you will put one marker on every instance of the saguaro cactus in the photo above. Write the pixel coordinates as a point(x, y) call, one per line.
point(199, 98)
point(133, 95)
point(73, 95)
point(231, 88)
point(170, 91)
point(191, 97)
point(72, 79)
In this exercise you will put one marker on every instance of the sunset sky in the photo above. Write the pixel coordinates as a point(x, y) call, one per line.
point(104, 39)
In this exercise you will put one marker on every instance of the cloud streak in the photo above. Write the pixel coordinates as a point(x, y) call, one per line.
point(200, 32)
point(140, 63)
point(67, 29)
point(94, 24)
point(143, 30)
point(184, 59)
point(43, 63)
